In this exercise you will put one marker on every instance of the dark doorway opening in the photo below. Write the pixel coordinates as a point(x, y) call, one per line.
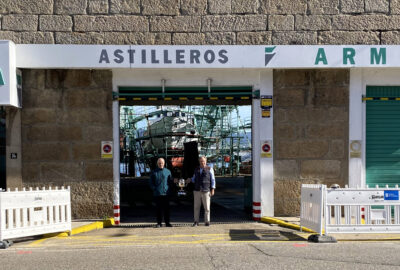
point(220, 132)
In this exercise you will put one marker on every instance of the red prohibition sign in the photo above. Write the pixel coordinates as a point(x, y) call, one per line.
point(107, 148)
point(266, 148)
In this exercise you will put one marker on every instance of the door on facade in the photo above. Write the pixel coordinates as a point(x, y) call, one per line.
point(179, 124)
point(382, 135)
point(3, 175)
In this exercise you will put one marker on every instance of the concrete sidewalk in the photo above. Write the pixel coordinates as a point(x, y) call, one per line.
point(80, 226)
point(148, 234)
point(270, 229)
point(83, 222)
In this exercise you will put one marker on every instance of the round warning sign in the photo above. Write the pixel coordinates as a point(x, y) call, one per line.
point(266, 148)
point(106, 149)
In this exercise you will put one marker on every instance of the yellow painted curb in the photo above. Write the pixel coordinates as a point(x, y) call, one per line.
point(85, 228)
point(282, 223)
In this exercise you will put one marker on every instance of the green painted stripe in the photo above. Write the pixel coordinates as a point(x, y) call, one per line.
point(185, 89)
point(19, 79)
point(383, 91)
point(381, 99)
point(2, 82)
point(269, 49)
point(186, 93)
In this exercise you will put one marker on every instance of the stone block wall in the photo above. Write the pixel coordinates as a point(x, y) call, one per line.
point(65, 116)
point(201, 21)
point(310, 106)
point(311, 119)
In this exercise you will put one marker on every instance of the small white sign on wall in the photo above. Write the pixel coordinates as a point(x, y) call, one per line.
point(355, 149)
point(106, 149)
point(266, 149)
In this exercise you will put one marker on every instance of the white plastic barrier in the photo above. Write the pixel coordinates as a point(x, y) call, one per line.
point(350, 210)
point(312, 206)
point(33, 212)
point(366, 210)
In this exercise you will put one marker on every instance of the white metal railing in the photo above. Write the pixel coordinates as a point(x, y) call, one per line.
point(351, 210)
point(33, 212)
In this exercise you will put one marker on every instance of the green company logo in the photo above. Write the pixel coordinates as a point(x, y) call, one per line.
point(269, 54)
point(377, 56)
point(1, 78)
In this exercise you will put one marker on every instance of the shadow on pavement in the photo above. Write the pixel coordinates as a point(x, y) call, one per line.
point(227, 206)
point(263, 235)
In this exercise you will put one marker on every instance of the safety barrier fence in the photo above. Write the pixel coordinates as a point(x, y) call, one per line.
point(311, 212)
point(350, 210)
point(33, 212)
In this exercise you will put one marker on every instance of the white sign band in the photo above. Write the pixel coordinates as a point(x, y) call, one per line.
point(163, 56)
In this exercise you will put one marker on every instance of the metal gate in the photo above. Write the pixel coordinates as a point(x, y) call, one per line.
point(382, 135)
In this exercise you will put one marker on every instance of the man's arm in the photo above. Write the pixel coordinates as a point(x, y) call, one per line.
point(170, 180)
point(190, 179)
point(212, 178)
point(213, 185)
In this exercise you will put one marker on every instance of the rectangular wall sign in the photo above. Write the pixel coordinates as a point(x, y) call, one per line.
point(206, 56)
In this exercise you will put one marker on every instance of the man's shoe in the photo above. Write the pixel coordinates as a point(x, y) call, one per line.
point(195, 224)
point(207, 224)
point(158, 226)
point(168, 225)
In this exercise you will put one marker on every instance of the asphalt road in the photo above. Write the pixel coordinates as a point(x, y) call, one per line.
point(223, 246)
point(267, 255)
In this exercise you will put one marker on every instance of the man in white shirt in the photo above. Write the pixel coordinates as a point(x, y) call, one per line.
point(204, 187)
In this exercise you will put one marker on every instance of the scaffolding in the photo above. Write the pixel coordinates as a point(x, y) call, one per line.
point(222, 133)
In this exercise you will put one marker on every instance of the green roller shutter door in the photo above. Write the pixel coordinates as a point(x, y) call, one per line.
point(383, 136)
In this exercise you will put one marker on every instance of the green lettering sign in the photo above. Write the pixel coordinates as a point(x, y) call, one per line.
point(348, 55)
point(376, 56)
point(321, 57)
point(1, 78)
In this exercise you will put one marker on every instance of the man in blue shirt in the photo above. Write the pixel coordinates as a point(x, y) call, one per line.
point(204, 188)
point(160, 183)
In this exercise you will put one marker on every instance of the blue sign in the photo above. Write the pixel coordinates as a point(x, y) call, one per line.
point(391, 195)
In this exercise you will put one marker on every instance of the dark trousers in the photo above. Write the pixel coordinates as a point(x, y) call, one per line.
point(162, 206)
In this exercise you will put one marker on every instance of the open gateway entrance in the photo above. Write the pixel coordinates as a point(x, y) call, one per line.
point(180, 126)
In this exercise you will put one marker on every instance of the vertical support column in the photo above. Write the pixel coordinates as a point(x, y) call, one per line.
point(13, 148)
point(263, 178)
point(255, 135)
point(356, 130)
point(116, 176)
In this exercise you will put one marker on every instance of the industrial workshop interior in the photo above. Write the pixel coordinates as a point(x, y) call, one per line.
point(180, 130)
